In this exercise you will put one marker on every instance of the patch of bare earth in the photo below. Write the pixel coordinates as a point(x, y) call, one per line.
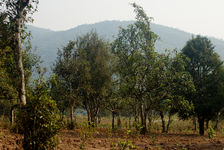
point(102, 140)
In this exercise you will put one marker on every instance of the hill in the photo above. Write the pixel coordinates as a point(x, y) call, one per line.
point(47, 42)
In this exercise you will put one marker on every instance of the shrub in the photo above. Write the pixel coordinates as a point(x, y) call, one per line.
point(125, 145)
point(39, 120)
point(138, 126)
point(211, 133)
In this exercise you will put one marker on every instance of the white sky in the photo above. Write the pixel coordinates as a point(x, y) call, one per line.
point(204, 17)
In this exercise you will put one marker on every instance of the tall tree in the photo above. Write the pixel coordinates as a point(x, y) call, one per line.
point(204, 66)
point(8, 73)
point(66, 73)
point(134, 48)
point(94, 73)
point(17, 12)
point(173, 83)
point(83, 67)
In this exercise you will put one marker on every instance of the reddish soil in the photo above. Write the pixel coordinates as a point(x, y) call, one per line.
point(103, 139)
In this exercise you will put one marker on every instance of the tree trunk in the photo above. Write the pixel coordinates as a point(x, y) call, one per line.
point(118, 119)
point(150, 121)
point(93, 117)
point(113, 116)
point(163, 122)
point(195, 124)
point(12, 113)
point(88, 114)
point(217, 121)
point(136, 115)
point(19, 61)
point(143, 120)
point(201, 121)
point(207, 124)
point(12, 116)
point(98, 119)
point(72, 117)
point(168, 123)
point(129, 122)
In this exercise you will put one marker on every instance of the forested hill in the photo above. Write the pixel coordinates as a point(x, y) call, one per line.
point(47, 42)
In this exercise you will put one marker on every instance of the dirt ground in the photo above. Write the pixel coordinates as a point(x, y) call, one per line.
point(102, 139)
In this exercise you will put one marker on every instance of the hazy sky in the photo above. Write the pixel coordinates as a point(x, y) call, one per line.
point(204, 17)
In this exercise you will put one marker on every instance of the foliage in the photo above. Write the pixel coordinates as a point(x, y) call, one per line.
point(123, 145)
point(205, 67)
point(138, 127)
point(83, 67)
point(16, 13)
point(211, 133)
point(39, 119)
point(8, 71)
point(65, 91)
point(134, 50)
point(13, 7)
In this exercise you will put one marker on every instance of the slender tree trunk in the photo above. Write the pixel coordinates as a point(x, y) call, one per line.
point(168, 123)
point(201, 121)
point(195, 124)
point(12, 116)
point(143, 120)
point(129, 122)
point(12, 113)
point(72, 117)
point(217, 121)
point(71, 105)
point(99, 119)
point(93, 121)
point(150, 121)
point(136, 114)
point(113, 116)
point(19, 61)
point(118, 119)
point(207, 124)
point(163, 122)
point(88, 114)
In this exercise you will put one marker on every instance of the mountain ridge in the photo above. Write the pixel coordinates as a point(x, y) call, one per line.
point(48, 41)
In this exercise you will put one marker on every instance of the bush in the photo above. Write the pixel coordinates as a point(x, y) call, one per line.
point(40, 121)
point(211, 133)
point(138, 126)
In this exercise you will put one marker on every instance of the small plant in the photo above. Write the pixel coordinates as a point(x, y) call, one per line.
point(138, 127)
point(128, 132)
point(86, 132)
point(125, 145)
point(153, 137)
point(211, 133)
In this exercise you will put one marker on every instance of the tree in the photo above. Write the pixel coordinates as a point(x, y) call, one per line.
point(94, 73)
point(17, 12)
point(83, 67)
point(204, 66)
point(8, 71)
point(174, 83)
point(134, 48)
point(66, 71)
